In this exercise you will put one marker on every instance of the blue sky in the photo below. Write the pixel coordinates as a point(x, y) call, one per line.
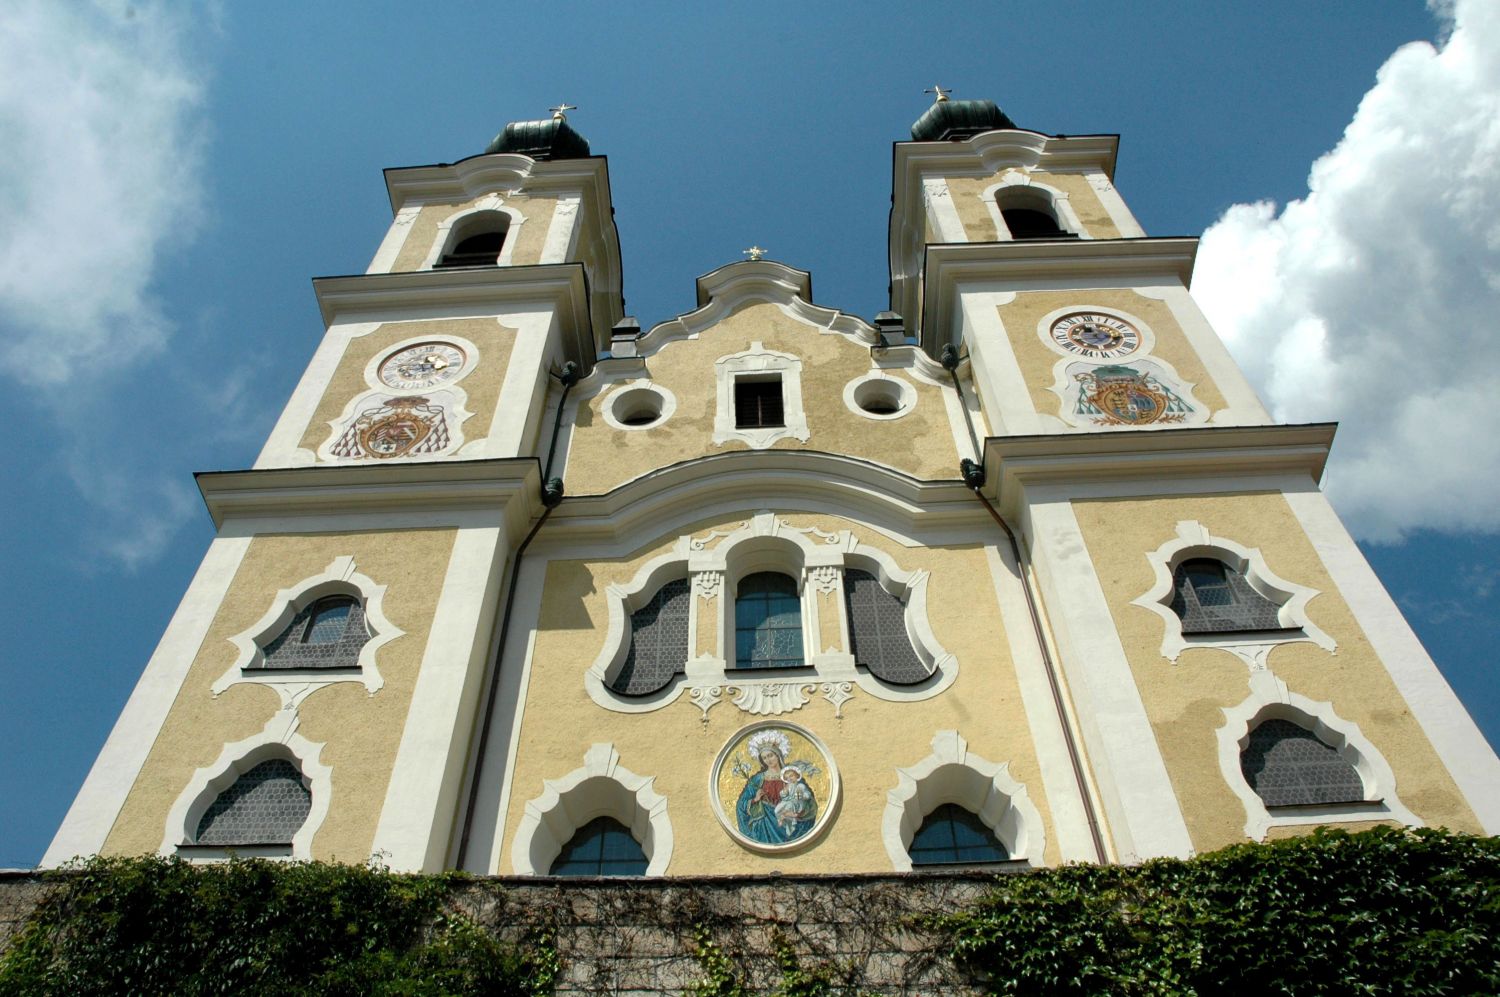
point(172, 177)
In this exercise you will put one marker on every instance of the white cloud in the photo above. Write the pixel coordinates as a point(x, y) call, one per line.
point(99, 175)
point(1375, 299)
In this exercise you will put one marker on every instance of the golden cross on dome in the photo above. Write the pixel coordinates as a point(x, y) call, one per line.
point(754, 252)
point(942, 94)
point(559, 112)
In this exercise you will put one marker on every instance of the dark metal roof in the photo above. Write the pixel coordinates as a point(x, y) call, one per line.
point(551, 138)
point(958, 119)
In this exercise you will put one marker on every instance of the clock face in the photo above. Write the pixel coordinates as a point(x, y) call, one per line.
point(1096, 336)
point(425, 365)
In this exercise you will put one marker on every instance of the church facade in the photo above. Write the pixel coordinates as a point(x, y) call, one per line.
point(1018, 572)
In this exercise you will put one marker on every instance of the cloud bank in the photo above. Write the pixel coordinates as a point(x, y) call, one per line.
point(98, 175)
point(1375, 299)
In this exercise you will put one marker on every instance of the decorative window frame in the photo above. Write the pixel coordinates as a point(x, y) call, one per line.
point(278, 739)
point(1194, 540)
point(757, 363)
point(295, 684)
point(765, 543)
point(951, 775)
point(601, 787)
point(1270, 699)
point(906, 392)
point(1018, 184)
point(451, 229)
point(616, 394)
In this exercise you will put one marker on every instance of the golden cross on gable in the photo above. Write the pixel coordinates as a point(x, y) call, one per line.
point(754, 252)
point(559, 112)
point(942, 94)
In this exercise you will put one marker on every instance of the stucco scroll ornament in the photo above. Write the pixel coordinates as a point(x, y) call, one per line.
point(701, 543)
point(825, 578)
point(838, 693)
point(705, 697)
point(772, 698)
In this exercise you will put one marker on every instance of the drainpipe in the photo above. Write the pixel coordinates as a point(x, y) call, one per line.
point(973, 476)
point(552, 496)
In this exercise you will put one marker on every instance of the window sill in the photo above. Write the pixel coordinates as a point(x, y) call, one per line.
point(222, 853)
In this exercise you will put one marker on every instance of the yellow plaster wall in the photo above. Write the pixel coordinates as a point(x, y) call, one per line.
point(360, 732)
point(532, 235)
point(969, 200)
point(1184, 699)
point(872, 740)
point(1037, 360)
point(481, 385)
point(920, 443)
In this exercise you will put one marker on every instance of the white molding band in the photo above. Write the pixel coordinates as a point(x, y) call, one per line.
point(950, 774)
point(1269, 699)
point(1470, 760)
point(395, 239)
point(278, 739)
point(426, 781)
point(601, 787)
point(97, 805)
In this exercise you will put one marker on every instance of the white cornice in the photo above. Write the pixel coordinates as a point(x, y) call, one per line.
point(477, 175)
point(1019, 265)
point(785, 480)
point(413, 294)
point(744, 277)
point(1014, 462)
point(512, 484)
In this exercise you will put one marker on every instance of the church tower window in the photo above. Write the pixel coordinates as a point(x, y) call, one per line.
point(265, 806)
point(768, 622)
point(1028, 223)
point(1211, 597)
point(877, 631)
point(328, 633)
point(476, 241)
point(602, 847)
point(1288, 766)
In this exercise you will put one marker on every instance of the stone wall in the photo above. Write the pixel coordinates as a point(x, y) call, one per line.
point(642, 936)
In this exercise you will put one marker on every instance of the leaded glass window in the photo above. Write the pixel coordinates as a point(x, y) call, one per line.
point(767, 622)
point(327, 633)
point(877, 631)
point(1211, 597)
point(602, 847)
point(952, 835)
point(265, 806)
point(1288, 766)
point(658, 642)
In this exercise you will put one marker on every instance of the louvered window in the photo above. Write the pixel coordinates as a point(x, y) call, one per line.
point(326, 634)
point(1288, 766)
point(658, 642)
point(877, 631)
point(1211, 597)
point(265, 806)
point(758, 403)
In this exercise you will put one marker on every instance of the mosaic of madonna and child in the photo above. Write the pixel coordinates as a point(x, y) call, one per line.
point(779, 783)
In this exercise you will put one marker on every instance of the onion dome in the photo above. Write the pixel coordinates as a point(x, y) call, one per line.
point(552, 138)
point(949, 120)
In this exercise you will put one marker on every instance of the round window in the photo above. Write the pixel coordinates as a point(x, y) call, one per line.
point(881, 397)
point(637, 408)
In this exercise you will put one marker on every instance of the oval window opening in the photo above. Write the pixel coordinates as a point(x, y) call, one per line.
point(640, 407)
point(879, 398)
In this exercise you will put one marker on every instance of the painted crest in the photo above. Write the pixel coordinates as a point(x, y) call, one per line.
point(1117, 395)
point(774, 787)
point(405, 426)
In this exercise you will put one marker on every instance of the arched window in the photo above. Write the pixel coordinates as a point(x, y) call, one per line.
point(480, 250)
point(602, 847)
point(1211, 597)
point(1287, 765)
point(767, 622)
point(327, 633)
point(951, 835)
point(658, 642)
point(264, 806)
point(877, 631)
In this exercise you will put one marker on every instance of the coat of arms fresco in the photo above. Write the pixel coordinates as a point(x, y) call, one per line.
point(774, 786)
point(403, 426)
point(1125, 395)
